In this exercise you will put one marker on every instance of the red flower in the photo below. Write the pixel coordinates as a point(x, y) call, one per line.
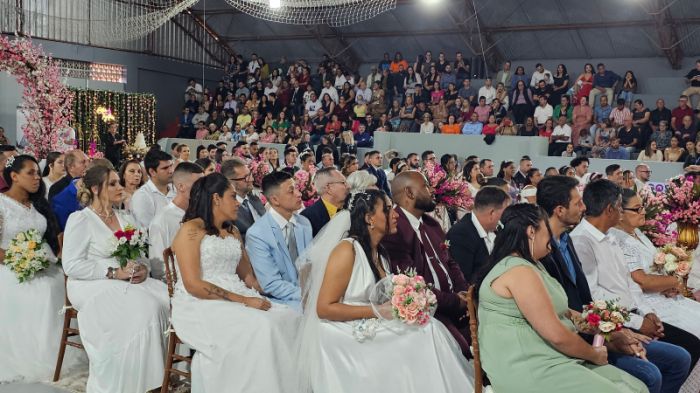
point(593, 319)
point(128, 234)
point(119, 234)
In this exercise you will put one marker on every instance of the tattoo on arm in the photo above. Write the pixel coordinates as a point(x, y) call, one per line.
point(215, 291)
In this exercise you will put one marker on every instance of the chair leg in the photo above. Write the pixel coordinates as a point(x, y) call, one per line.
point(62, 348)
point(168, 363)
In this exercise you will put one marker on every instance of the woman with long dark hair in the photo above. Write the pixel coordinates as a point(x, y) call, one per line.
point(53, 171)
point(30, 322)
point(522, 306)
point(506, 172)
point(339, 316)
point(218, 309)
point(522, 103)
point(122, 312)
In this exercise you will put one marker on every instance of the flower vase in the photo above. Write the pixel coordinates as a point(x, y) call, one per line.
point(688, 235)
point(598, 340)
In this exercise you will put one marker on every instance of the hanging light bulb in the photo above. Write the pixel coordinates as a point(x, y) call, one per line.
point(275, 4)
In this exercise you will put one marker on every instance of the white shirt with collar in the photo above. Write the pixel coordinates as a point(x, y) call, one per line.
point(253, 212)
point(415, 224)
point(332, 92)
point(487, 237)
point(282, 222)
point(487, 92)
point(604, 265)
point(161, 234)
point(148, 201)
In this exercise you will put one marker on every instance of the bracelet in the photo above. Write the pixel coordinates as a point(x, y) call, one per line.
point(110, 273)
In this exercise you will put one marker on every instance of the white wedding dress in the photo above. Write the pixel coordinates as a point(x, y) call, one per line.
point(121, 325)
point(368, 356)
point(238, 349)
point(680, 311)
point(30, 322)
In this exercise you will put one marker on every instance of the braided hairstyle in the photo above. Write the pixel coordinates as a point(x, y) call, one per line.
point(38, 199)
point(360, 204)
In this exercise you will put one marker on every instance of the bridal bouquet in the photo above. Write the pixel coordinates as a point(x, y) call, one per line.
point(27, 255)
point(672, 260)
point(605, 317)
point(404, 297)
point(453, 192)
point(129, 245)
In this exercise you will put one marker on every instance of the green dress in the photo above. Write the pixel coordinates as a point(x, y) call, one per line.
point(518, 360)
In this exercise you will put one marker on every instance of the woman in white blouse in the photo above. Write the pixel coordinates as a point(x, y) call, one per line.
point(427, 126)
point(53, 171)
point(122, 313)
point(651, 153)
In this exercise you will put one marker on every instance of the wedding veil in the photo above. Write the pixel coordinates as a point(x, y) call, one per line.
point(311, 266)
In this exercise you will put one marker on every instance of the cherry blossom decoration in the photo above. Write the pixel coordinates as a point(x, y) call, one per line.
point(46, 101)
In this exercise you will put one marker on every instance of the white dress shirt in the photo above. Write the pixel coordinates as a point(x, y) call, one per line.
point(539, 76)
point(415, 224)
point(542, 113)
point(161, 234)
point(564, 130)
point(604, 265)
point(282, 222)
point(148, 201)
point(488, 237)
point(253, 212)
point(488, 92)
point(332, 92)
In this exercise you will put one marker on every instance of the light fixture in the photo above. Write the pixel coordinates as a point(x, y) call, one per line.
point(275, 4)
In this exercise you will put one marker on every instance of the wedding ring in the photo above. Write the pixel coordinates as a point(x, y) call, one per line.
point(638, 354)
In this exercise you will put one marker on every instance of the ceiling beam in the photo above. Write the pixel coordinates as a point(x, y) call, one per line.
point(454, 31)
point(482, 44)
point(668, 33)
point(213, 34)
point(198, 41)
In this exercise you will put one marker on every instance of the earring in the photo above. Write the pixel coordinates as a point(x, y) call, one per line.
point(532, 246)
point(371, 226)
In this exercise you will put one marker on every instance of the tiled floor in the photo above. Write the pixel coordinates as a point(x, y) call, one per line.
point(29, 388)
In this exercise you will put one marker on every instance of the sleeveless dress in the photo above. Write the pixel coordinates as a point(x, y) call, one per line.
point(366, 356)
point(238, 349)
point(30, 322)
point(518, 360)
point(121, 324)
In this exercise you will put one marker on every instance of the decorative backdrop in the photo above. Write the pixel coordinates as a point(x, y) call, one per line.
point(46, 101)
point(133, 111)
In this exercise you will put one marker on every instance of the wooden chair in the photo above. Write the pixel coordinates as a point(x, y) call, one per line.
point(173, 358)
point(69, 315)
point(473, 329)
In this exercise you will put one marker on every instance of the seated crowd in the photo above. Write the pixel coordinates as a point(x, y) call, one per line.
point(277, 257)
point(592, 114)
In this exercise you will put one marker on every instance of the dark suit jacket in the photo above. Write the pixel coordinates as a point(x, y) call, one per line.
point(245, 217)
point(317, 215)
point(467, 248)
point(382, 182)
point(57, 187)
point(577, 291)
point(406, 251)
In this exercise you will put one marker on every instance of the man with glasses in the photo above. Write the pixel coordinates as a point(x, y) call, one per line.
point(331, 185)
point(678, 113)
point(642, 173)
point(252, 208)
point(428, 156)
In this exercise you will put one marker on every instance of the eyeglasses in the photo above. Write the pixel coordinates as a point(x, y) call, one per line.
point(246, 177)
point(637, 210)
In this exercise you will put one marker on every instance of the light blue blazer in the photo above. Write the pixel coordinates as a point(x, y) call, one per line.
point(269, 255)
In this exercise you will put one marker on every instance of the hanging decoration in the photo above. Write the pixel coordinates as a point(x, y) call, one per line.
point(133, 112)
point(46, 101)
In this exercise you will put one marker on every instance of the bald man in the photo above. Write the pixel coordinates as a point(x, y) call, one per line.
point(420, 244)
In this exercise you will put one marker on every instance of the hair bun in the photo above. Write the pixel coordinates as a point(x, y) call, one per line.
point(84, 194)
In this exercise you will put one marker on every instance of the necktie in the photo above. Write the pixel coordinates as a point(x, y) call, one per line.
point(442, 280)
point(292, 242)
point(246, 210)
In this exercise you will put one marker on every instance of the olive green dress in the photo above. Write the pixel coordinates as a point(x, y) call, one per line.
point(518, 360)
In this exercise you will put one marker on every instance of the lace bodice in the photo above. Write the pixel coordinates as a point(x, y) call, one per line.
point(16, 218)
point(219, 258)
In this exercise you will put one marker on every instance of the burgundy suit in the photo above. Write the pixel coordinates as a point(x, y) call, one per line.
point(406, 250)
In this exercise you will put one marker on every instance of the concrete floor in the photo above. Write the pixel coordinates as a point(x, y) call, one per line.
point(29, 388)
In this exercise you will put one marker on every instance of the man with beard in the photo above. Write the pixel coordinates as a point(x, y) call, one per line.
point(419, 244)
point(650, 361)
point(413, 162)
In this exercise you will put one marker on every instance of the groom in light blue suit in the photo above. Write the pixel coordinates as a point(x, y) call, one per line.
point(275, 240)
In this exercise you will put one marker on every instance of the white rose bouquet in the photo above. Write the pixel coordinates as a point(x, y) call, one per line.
point(27, 255)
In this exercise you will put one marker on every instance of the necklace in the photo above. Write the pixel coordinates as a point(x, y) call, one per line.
point(104, 216)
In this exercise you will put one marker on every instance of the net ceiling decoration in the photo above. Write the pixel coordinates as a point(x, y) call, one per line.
point(124, 20)
point(334, 13)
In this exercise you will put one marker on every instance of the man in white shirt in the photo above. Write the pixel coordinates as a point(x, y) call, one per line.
point(231, 104)
point(487, 91)
point(603, 263)
point(543, 112)
point(201, 115)
point(561, 136)
point(153, 196)
point(541, 74)
point(330, 90)
point(253, 65)
point(374, 76)
point(313, 105)
point(166, 223)
point(642, 173)
point(363, 94)
point(580, 165)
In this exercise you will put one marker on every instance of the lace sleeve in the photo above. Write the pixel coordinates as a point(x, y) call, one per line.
point(633, 257)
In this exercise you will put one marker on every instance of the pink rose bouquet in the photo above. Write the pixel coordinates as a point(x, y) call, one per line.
point(605, 317)
point(451, 191)
point(412, 300)
point(672, 260)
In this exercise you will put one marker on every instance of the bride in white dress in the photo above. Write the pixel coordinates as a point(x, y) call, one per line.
point(243, 343)
point(639, 254)
point(121, 322)
point(30, 323)
point(344, 348)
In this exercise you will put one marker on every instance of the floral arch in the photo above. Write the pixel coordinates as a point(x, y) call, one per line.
point(46, 101)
